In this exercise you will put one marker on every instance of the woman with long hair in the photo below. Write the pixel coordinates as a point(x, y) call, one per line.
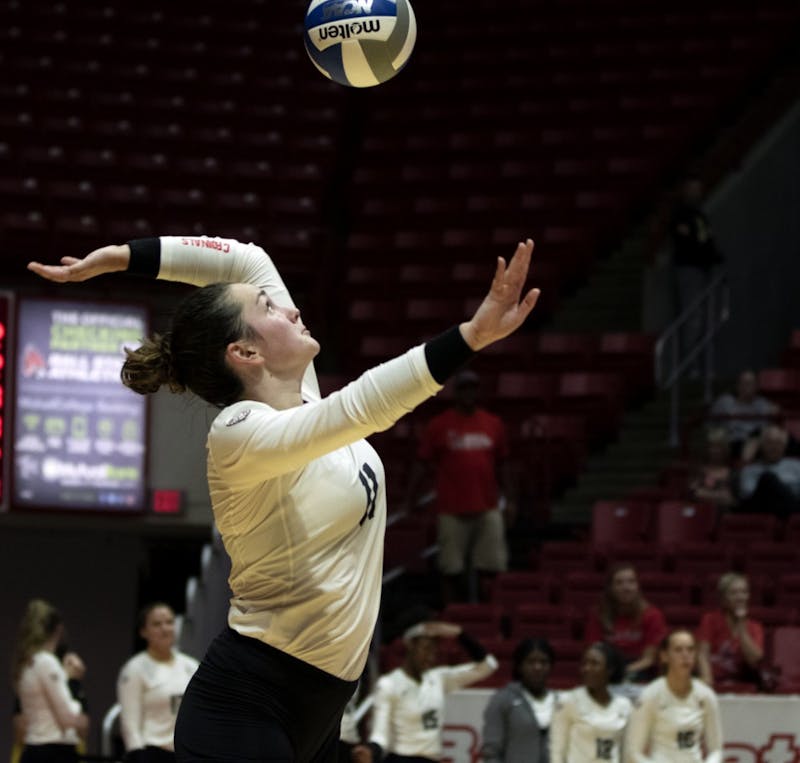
point(298, 495)
point(150, 687)
point(590, 722)
point(677, 715)
point(517, 720)
point(630, 623)
point(53, 718)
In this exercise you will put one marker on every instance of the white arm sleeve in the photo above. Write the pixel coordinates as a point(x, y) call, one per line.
point(381, 731)
point(559, 731)
point(268, 443)
point(54, 683)
point(462, 676)
point(129, 696)
point(639, 729)
point(202, 260)
point(713, 730)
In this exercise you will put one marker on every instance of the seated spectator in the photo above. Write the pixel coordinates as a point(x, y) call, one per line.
point(713, 481)
point(730, 645)
point(628, 622)
point(771, 485)
point(743, 414)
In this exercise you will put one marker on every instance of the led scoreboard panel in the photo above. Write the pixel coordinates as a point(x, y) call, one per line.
point(5, 340)
point(79, 434)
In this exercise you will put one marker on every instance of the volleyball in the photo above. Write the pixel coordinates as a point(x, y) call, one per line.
point(360, 43)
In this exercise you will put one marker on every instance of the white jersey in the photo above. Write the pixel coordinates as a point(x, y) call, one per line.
point(149, 692)
point(408, 716)
point(584, 731)
point(298, 496)
point(51, 713)
point(673, 728)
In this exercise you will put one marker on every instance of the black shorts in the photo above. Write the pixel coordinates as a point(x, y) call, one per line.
point(49, 753)
point(251, 702)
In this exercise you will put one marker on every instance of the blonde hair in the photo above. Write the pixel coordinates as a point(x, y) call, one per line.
point(38, 624)
point(727, 580)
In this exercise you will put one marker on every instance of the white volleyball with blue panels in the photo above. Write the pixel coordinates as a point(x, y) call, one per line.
point(360, 43)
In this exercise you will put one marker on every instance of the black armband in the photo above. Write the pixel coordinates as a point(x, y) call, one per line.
point(145, 257)
point(76, 690)
point(472, 647)
point(446, 353)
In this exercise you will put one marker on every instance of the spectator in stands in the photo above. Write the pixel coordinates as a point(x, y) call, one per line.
point(408, 713)
point(677, 718)
point(628, 622)
point(468, 449)
point(743, 413)
point(713, 481)
point(694, 257)
point(730, 644)
point(771, 485)
point(150, 687)
point(49, 690)
point(516, 722)
point(590, 722)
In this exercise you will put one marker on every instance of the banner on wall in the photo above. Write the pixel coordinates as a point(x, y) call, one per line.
point(756, 729)
point(79, 434)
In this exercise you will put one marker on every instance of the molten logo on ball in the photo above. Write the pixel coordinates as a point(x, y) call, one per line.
point(360, 43)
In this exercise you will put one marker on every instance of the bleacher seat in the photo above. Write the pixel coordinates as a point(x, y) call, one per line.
point(746, 528)
point(550, 621)
point(785, 648)
point(512, 588)
point(618, 522)
point(679, 522)
point(481, 620)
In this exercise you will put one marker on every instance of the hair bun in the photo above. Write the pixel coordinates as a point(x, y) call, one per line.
point(151, 366)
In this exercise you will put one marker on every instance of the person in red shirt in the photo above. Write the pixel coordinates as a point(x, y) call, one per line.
point(628, 622)
point(730, 644)
point(467, 448)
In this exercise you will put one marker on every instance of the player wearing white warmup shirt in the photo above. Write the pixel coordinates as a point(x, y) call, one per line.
point(408, 714)
point(298, 495)
point(676, 715)
point(150, 687)
point(589, 724)
point(53, 718)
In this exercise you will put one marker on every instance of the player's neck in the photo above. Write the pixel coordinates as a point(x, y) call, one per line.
point(680, 685)
point(160, 655)
point(600, 695)
point(276, 392)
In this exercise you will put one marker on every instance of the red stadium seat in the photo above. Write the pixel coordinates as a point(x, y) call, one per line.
point(775, 617)
point(785, 648)
point(568, 653)
point(791, 355)
point(630, 354)
point(702, 559)
point(582, 590)
point(597, 396)
point(679, 522)
point(512, 588)
point(557, 558)
point(563, 352)
point(781, 386)
point(617, 522)
point(480, 620)
point(550, 621)
point(666, 589)
point(746, 528)
point(792, 532)
point(682, 616)
point(772, 559)
point(787, 591)
point(644, 557)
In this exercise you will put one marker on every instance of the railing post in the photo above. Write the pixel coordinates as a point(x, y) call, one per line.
point(711, 327)
point(675, 400)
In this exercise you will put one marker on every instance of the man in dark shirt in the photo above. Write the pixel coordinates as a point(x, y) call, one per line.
point(694, 255)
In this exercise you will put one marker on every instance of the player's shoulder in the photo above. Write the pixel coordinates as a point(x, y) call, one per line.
point(186, 661)
point(44, 660)
point(656, 689)
point(703, 691)
point(621, 704)
point(392, 681)
point(135, 662)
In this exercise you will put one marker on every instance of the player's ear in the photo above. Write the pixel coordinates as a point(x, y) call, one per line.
point(242, 352)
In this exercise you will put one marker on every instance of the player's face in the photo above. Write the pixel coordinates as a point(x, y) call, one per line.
point(680, 654)
point(534, 671)
point(737, 596)
point(159, 628)
point(625, 586)
point(423, 653)
point(594, 670)
point(279, 332)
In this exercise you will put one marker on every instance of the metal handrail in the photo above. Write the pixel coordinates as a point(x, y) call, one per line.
point(671, 366)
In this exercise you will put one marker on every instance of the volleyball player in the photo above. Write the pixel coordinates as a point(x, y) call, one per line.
point(589, 724)
point(150, 687)
point(676, 715)
point(298, 495)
